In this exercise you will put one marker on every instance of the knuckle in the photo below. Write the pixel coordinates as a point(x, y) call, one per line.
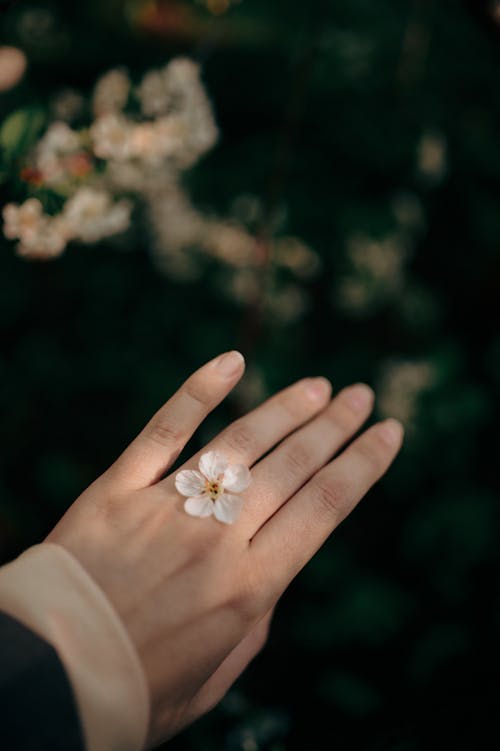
point(197, 394)
point(371, 451)
point(297, 460)
point(165, 433)
point(331, 497)
point(244, 608)
point(342, 415)
point(291, 402)
point(246, 600)
point(241, 439)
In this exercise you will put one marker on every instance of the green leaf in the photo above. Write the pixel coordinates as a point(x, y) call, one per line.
point(20, 130)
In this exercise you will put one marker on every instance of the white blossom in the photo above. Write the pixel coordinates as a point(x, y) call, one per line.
point(184, 127)
point(52, 151)
point(229, 242)
point(153, 94)
point(49, 242)
point(190, 107)
point(91, 215)
point(111, 93)
point(60, 139)
point(400, 386)
point(291, 253)
point(143, 154)
point(177, 226)
point(40, 235)
point(432, 155)
point(111, 137)
point(22, 221)
point(154, 142)
point(377, 272)
point(211, 490)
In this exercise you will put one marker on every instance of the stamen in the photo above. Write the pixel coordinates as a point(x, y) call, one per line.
point(214, 489)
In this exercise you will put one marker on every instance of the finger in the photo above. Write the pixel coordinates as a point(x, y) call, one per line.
point(157, 446)
point(248, 438)
point(233, 666)
point(291, 537)
point(280, 474)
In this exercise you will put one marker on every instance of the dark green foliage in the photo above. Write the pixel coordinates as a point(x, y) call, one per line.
point(388, 639)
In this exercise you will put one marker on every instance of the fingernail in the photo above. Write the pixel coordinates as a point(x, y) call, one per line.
point(359, 397)
point(229, 363)
point(391, 431)
point(317, 388)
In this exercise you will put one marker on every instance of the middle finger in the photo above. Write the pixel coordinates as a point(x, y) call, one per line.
point(250, 437)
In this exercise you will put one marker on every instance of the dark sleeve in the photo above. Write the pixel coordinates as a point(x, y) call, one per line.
point(37, 707)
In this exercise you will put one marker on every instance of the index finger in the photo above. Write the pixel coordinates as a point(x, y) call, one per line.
point(157, 446)
point(290, 538)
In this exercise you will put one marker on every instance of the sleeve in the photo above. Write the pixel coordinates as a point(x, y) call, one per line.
point(38, 709)
point(49, 592)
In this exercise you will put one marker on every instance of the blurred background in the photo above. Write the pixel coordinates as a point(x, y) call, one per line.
point(341, 218)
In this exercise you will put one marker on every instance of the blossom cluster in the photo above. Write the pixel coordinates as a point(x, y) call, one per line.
point(401, 385)
point(88, 216)
point(140, 139)
point(133, 152)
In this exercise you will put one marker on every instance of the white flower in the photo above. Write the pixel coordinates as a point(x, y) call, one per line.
point(52, 151)
point(166, 90)
point(211, 490)
point(111, 92)
point(49, 242)
point(401, 384)
point(229, 242)
point(153, 142)
point(59, 139)
point(291, 253)
point(22, 221)
point(178, 93)
point(41, 236)
point(431, 155)
point(111, 137)
point(153, 94)
point(91, 215)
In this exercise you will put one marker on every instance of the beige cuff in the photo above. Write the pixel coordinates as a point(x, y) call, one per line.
point(48, 590)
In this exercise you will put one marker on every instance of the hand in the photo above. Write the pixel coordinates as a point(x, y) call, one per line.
point(196, 595)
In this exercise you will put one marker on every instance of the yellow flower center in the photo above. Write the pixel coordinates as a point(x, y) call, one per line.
point(214, 489)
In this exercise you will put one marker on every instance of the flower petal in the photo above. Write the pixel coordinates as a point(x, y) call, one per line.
point(189, 482)
point(236, 478)
point(228, 507)
point(202, 505)
point(213, 465)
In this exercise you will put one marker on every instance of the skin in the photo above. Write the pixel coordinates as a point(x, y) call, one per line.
point(196, 595)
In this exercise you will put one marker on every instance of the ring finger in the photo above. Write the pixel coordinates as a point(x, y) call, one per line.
point(283, 472)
